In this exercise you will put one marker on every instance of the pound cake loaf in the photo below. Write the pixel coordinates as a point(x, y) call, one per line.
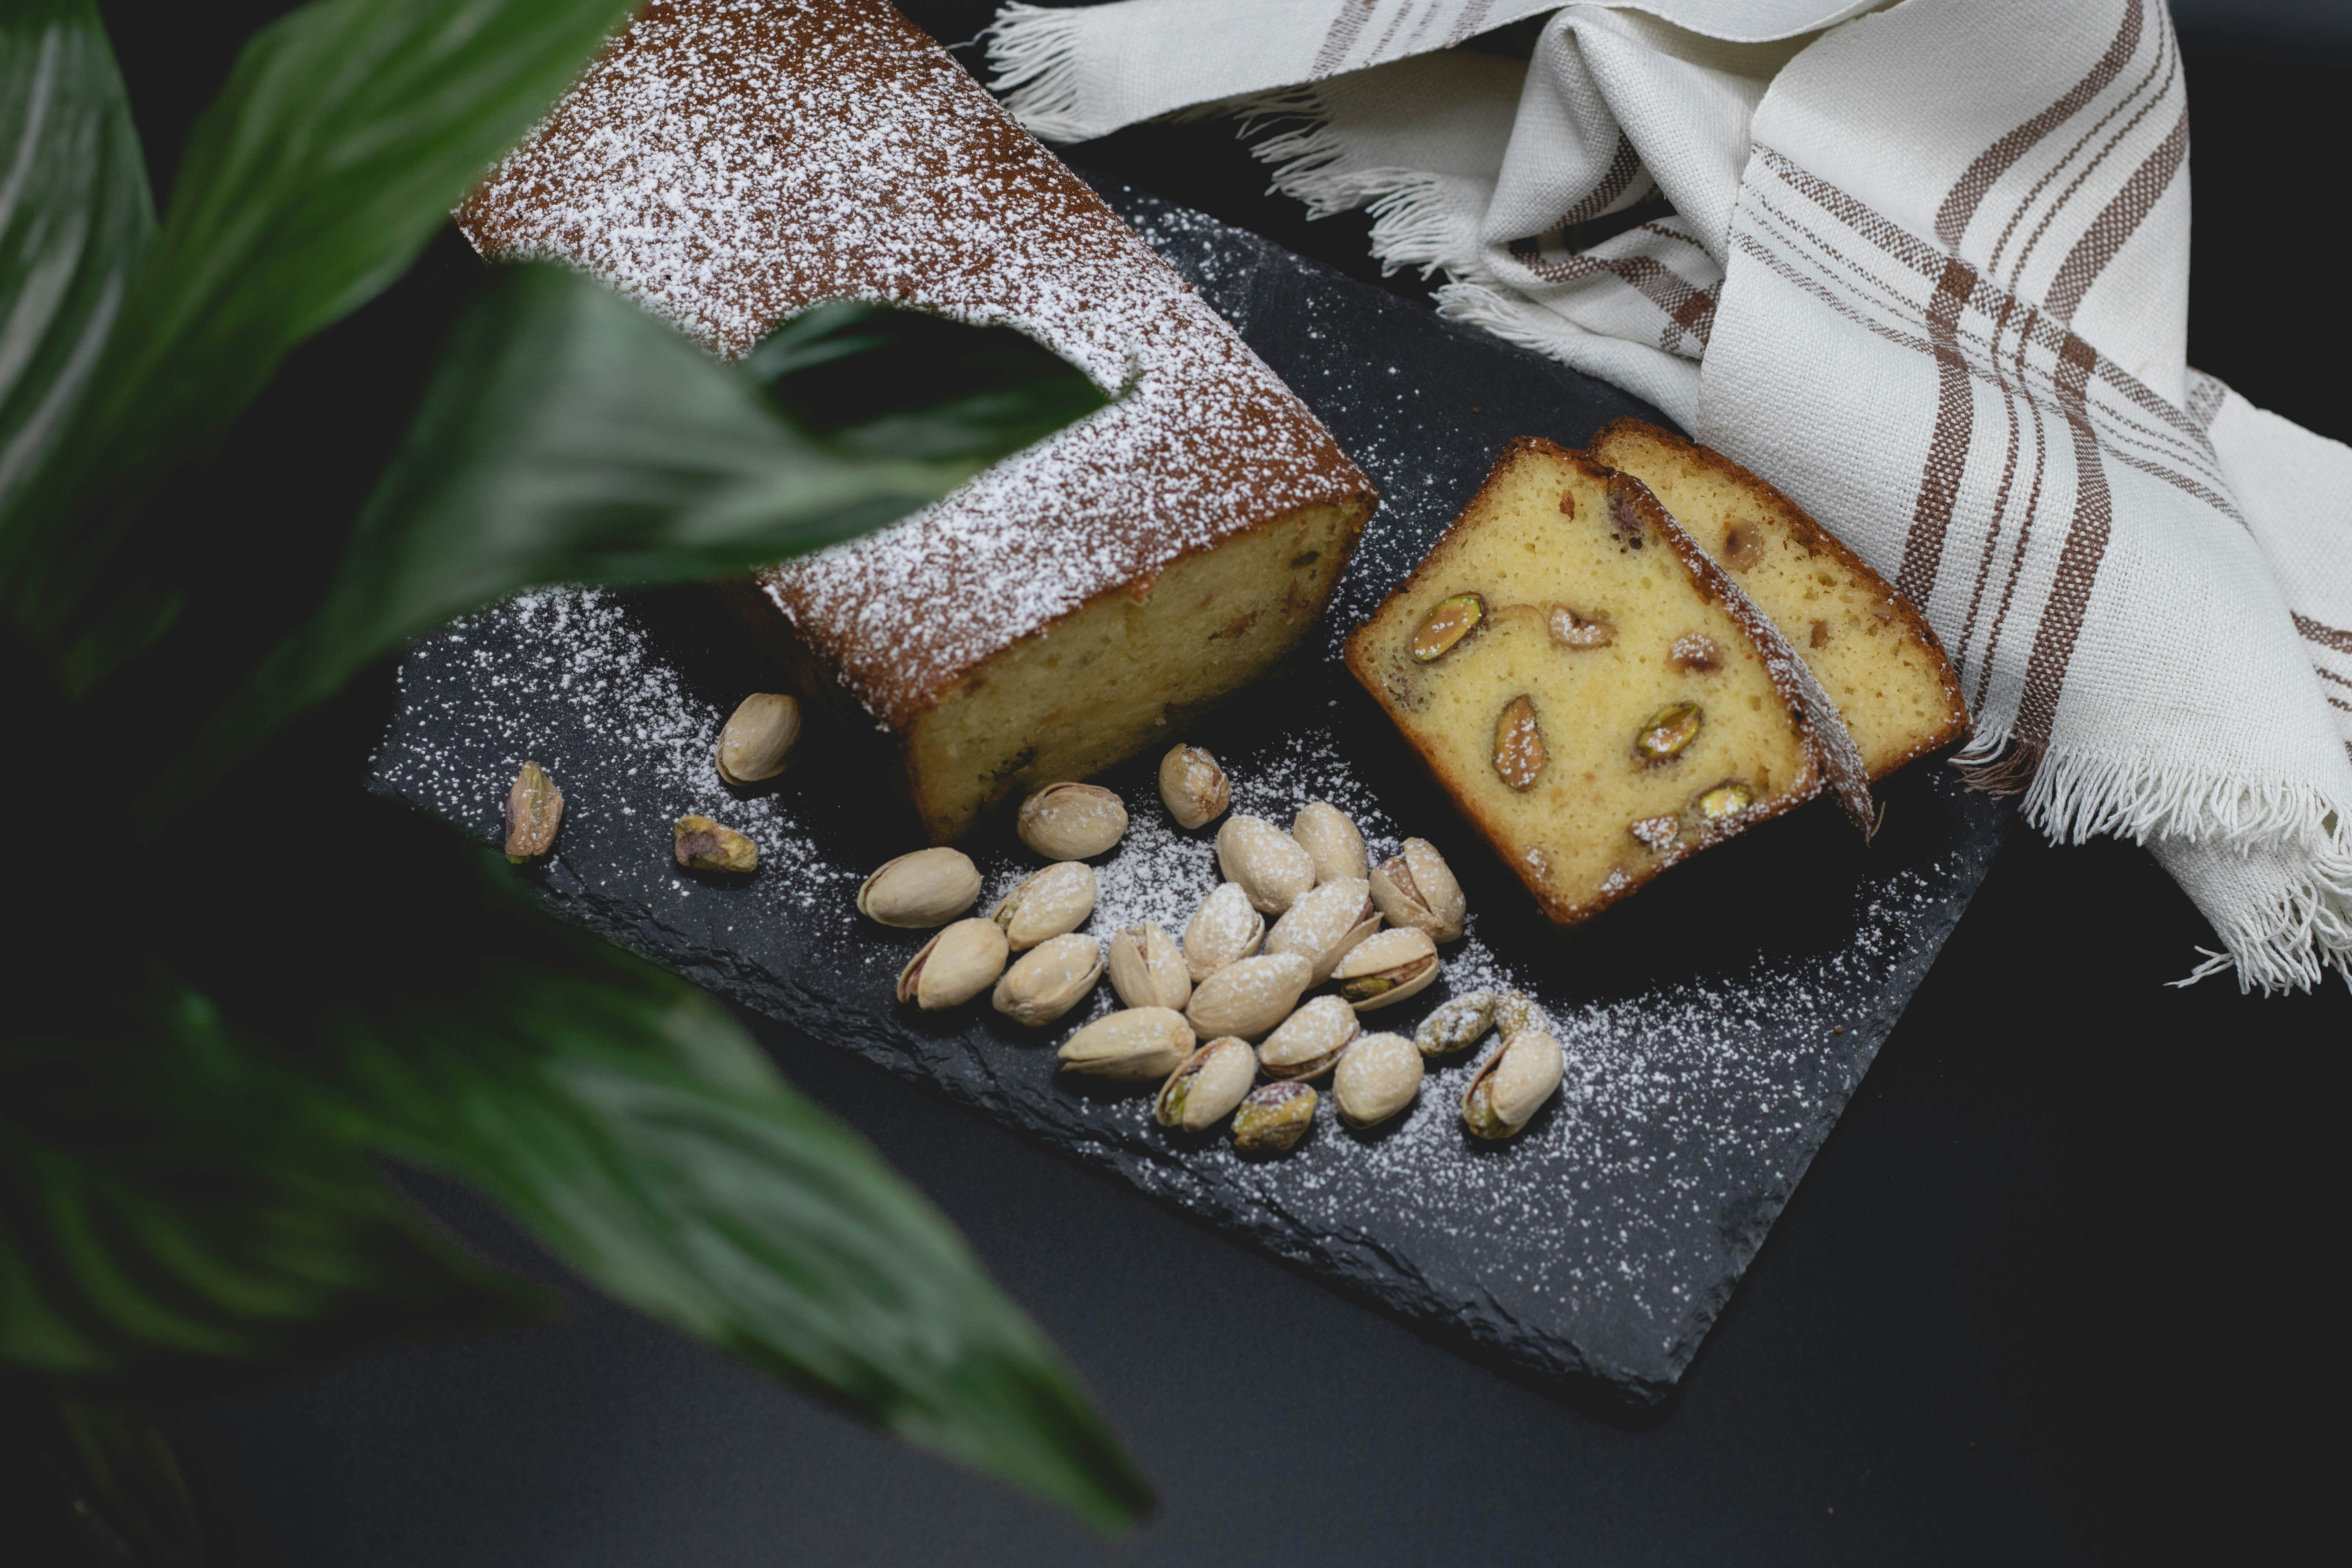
point(1873, 652)
point(1594, 691)
point(730, 162)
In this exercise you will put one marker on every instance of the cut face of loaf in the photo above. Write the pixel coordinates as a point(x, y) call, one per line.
point(730, 164)
point(1873, 652)
point(1589, 687)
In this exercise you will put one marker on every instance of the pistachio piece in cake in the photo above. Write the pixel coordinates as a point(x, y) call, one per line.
point(1593, 763)
point(1871, 650)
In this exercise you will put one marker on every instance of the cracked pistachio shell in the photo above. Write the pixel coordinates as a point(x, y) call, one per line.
point(1148, 970)
point(1416, 888)
point(758, 740)
point(1378, 1077)
point(1141, 1043)
point(1056, 900)
point(1224, 930)
point(534, 811)
point(1387, 967)
point(1249, 996)
point(1072, 821)
point(954, 966)
point(1329, 837)
point(1194, 786)
point(1512, 1084)
point(929, 888)
point(1207, 1085)
point(1458, 1025)
point(1049, 979)
point(1307, 1044)
point(1270, 866)
point(1324, 924)
point(702, 845)
point(1273, 1117)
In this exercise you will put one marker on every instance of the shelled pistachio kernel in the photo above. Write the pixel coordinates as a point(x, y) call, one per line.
point(1056, 900)
point(1727, 801)
point(1072, 821)
point(1249, 996)
point(1307, 1044)
point(1192, 787)
point(1519, 755)
point(1324, 924)
point(1146, 970)
point(703, 844)
point(1416, 888)
point(959, 963)
point(1144, 1044)
point(1386, 968)
point(1514, 1011)
point(927, 888)
point(534, 811)
point(1448, 623)
point(1224, 930)
point(1207, 1085)
point(1668, 731)
point(1377, 1076)
point(1270, 866)
point(759, 737)
point(1273, 1117)
point(1331, 841)
point(1049, 980)
point(1512, 1084)
point(1458, 1025)
point(1570, 629)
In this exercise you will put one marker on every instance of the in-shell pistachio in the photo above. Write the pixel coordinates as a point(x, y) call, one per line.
point(1726, 802)
point(758, 740)
point(1325, 923)
point(1331, 840)
point(1386, 968)
point(1205, 1088)
point(1194, 786)
point(534, 811)
point(1415, 889)
point(1448, 623)
point(1056, 900)
point(1518, 745)
point(1072, 821)
point(1307, 1044)
point(1049, 979)
point(1271, 867)
point(702, 845)
point(1667, 732)
point(927, 888)
point(959, 963)
point(1512, 1084)
point(1273, 1117)
point(1147, 969)
point(1249, 996)
point(1142, 1043)
point(1458, 1025)
point(1224, 930)
point(1378, 1077)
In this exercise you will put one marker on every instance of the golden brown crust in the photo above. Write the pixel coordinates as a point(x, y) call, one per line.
point(1801, 524)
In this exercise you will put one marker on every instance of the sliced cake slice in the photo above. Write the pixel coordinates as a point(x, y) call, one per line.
point(1594, 693)
point(1870, 648)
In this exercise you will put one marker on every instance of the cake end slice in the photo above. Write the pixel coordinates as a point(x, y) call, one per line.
point(1870, 648)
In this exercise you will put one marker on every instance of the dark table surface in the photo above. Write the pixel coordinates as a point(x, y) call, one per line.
point(2053, 1290)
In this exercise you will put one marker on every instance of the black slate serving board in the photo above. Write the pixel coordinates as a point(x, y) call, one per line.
point(1714, 1025)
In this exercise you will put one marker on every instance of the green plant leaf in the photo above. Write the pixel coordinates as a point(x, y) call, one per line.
point(567, 436)
point(75, 215)
point(346, 133)
point(167, 1204)
point(623, 1119)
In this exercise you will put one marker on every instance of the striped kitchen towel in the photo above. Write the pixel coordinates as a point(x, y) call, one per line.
point(1925, 267)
